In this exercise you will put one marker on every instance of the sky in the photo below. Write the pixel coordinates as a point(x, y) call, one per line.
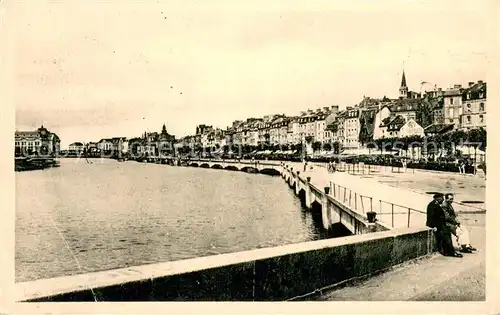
point(90, 69)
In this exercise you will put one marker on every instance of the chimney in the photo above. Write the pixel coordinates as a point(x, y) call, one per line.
point(471, 83)
point(458, 86)
point(480, 81)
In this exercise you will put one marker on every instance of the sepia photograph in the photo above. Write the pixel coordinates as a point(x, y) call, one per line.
point(250, 151)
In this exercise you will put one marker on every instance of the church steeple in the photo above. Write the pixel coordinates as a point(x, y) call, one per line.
point(403, 89)
point(403, 80)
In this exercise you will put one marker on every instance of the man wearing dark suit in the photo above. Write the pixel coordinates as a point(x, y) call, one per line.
point(436, 219)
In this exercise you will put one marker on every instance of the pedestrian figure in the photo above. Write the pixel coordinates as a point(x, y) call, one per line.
point(461, 167)
point(305, 165)
point(405, 163)
point(460, 232)
point(437, 221)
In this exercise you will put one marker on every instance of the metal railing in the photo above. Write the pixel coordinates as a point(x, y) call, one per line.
point(363, 204)
point(364, 169)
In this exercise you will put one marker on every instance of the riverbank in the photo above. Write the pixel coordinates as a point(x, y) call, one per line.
point(34, 163)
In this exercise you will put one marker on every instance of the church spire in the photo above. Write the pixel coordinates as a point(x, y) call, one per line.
point(403, 89)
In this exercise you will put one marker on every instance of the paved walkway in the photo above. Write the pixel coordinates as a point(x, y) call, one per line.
point(386, 188)
point(437, 278)
point(430, 279)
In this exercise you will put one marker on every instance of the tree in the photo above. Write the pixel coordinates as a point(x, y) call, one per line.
point(327, 146)
point(297, 147)
point(316, 145)
point(337, 147)
point(425, 111)
point(474, 139)
point(366, 121)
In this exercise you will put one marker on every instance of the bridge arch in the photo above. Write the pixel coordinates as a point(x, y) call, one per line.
point(231, 168)
point(194, 164)
point(270, 171)
point(205, 165)
point(249, 169)
point(302, 197)
point(217, 166)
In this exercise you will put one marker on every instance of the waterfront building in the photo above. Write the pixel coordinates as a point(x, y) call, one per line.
point(473, 106)
point(76, 147)
point(155, 144)
point(382, 118)
point(203, 129)
point(351, 128)
point(91, 148)
point(406, 108)
point(40, 141)
point(264, 135)
point(325, 117)
point(278, 130)
point(307, 121)
point(105, 145)
point(452, 107)
point(338, 127)
point(293, 131)
point(119, 146)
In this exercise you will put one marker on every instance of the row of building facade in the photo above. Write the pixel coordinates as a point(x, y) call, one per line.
point(410, 114)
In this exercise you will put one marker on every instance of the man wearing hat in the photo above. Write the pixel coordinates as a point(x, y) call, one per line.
point(436, 219)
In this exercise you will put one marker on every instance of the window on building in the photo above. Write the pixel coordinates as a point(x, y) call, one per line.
point(481, 118)
point(481, 107)
point(451, 120)
point(468, 119)
point(451, 101)
point(468, 96)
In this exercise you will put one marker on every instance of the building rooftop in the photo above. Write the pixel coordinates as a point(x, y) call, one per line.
point(438, 128)
point(396, 123)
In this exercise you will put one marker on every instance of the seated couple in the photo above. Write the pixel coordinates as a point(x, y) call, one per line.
point(442, 218)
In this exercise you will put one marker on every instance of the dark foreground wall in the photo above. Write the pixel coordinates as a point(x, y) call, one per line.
point(269, 274)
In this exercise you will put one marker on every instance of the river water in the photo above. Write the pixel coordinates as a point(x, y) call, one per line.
point(83, 217)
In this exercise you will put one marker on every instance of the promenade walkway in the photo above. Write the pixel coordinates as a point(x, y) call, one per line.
point(396, 192)
point(437, 278)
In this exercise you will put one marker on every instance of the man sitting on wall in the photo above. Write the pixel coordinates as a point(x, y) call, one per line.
point(437, 221)
point(460, 232)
